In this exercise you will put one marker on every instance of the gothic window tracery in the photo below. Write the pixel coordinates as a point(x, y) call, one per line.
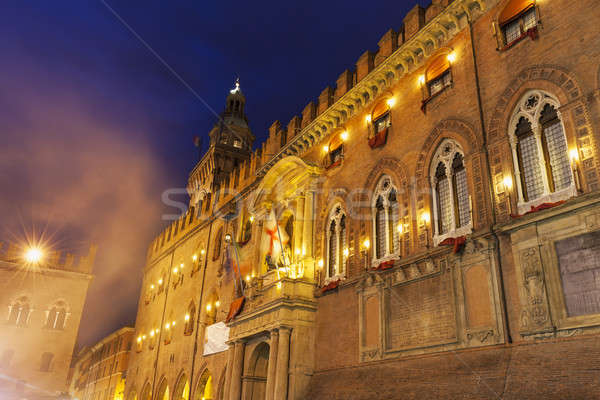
point(451, 199)
point(540, 153)
point(337, 252)
point(19, 312)
point(57, 316)
point(386, 217)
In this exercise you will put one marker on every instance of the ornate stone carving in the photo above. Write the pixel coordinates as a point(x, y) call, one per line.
point(481, 336)
point(370, 355)
point(535, 313)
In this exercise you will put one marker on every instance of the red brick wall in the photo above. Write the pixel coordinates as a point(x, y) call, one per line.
point(548, 370)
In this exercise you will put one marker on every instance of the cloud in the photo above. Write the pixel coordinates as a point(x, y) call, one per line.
point(90, 180)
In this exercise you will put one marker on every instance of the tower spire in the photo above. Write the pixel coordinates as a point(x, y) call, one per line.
point(237, 86)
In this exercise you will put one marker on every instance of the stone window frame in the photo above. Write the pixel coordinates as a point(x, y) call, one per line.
point(383, 189)
point(336, 216)
point(446, 156)
point(519, 19)
point(20, 302)
point(533, 114)
point(61, 307)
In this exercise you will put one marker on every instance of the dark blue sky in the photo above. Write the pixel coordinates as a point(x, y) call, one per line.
point(94, 127)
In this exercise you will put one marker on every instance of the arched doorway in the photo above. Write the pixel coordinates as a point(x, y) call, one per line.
point(163, 390)
point(204, 389)
point(182, 389)
point(257, 373)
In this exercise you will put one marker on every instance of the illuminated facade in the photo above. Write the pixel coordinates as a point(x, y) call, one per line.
point(42, 296)
point(426, 229)
point(100, 371)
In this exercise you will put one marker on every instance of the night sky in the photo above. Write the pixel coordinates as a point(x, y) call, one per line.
point(94, 127)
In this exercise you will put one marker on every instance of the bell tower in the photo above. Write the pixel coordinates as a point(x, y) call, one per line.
point(230, 143)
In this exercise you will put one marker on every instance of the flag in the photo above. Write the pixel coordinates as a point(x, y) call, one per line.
point(270, 243)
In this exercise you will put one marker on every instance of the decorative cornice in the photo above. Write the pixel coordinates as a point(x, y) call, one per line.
point(407, 58)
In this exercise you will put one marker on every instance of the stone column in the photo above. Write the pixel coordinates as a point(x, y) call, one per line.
point(283, 358)
point(229, 367)
point(235, 390)
point(272, 368)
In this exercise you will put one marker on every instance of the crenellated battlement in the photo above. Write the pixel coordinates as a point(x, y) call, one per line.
point(14, 253)
point(400, 53)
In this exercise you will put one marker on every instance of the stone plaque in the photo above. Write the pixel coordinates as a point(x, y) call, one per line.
point(579, 261)
point(421, 314)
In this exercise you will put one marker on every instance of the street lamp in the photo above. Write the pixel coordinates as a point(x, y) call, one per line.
point(34, 255)
point(366, 244)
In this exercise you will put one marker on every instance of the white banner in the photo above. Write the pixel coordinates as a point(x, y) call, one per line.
point(215, 338)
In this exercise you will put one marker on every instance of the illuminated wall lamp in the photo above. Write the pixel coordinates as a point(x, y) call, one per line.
point(574, 156)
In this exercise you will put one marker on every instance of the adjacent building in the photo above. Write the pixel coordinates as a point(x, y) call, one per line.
point(427, 228)
point(100, 371)
point(42, 298)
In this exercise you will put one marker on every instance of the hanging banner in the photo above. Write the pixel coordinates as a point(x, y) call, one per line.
point(215, 338)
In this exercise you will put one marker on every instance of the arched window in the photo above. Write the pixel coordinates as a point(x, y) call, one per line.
point(334, 151)
point(438, 75)
point(57, 316)
point(380, 120)
point(337, 252)
point(386, 213)
point(182, 389)
point(46, 362)
point(19, 311)
point(189, 319)
point(540, 153)
point(517, 19)
point(451, 199)
point(218, 244)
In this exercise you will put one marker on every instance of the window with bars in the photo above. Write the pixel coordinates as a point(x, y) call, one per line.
point(386, 217)
point(443, 199)
point(451, 199)
point(336, 242)
point(438, 84)
point(333, 249)
point(556, 149)
point(380, 228)
point(382, 123)
point(541, 147)
point(394, 241)
point(516, 27)
point(461, 191)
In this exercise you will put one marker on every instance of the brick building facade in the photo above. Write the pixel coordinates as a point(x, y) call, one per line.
point(42, 305)
point(426, 229)
point(100, 371)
